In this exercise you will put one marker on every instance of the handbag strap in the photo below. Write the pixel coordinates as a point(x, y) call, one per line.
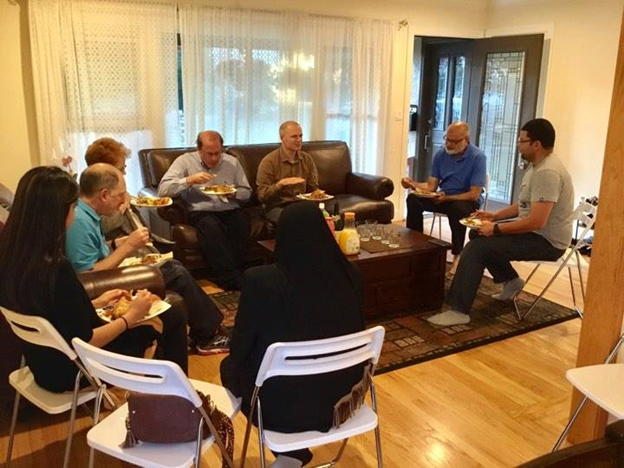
point(223, 425)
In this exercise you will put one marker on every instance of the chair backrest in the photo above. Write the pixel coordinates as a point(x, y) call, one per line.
point(321, 356)
point(486, 191)
point(38, 331)
point(585, 214)
point(136, 374)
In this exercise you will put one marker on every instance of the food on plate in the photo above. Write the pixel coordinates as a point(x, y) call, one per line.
point(421, 191)
point(318, 194)
point(152, 201)
point(472, 222)
point(151, 259)
point(120, 309)
point(219, 189)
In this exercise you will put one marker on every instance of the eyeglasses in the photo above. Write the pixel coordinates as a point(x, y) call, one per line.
point(528, 140)
point(449, 140)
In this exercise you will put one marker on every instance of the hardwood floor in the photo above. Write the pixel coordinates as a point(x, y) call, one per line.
point(495, 406)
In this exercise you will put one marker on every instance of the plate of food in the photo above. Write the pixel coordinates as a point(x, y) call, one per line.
point(422, 193)
point(317, 195)
point(218, 189)
point(150, 202)
point(149, 259)
point(113, 312)
point(472, 223)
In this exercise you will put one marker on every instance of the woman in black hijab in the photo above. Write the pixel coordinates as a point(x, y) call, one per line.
point(311, 292)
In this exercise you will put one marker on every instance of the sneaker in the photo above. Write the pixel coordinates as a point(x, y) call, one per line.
point(217, 344)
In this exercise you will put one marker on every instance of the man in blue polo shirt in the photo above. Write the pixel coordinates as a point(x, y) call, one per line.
point(458, 170)
point(102, 191)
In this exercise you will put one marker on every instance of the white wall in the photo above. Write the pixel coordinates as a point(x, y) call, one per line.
point(581, 70)
point(17, 135)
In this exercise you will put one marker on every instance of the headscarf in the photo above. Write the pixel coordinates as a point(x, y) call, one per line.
point(325, 287)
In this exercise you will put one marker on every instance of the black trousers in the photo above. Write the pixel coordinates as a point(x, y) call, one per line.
point(496, 254)
point(454, 210)
point(203, 315)
point(223, 239)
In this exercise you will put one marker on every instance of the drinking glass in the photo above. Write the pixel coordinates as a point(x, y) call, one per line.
point(376, 232)
point(363, 230)
point(385, 234)
point(394, 240)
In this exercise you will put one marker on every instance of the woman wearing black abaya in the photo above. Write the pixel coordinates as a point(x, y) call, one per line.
point(311, 292)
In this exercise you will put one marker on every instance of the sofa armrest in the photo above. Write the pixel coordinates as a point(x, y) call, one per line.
point(369, 186)
point(131, 277)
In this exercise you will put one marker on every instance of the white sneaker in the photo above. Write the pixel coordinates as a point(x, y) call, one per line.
point(510, 289)
point(448, 318)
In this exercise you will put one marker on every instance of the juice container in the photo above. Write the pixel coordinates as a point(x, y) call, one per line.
point(349, 240)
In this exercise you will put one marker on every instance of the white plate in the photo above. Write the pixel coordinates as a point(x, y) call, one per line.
point(208, 191)
point(133, 201)
point(306, 196)
point(157, 308)
point(470, 222)
point(160, 259)
point(425, 195)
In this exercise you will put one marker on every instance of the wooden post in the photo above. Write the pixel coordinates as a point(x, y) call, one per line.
point(604, 307)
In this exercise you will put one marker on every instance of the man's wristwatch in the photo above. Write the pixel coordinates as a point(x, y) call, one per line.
point(497, 231)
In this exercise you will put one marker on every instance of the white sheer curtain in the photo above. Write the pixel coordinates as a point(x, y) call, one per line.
point(104, 68)
point(244, 72)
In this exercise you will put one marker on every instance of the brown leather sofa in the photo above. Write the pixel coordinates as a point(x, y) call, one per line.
point(364, 194)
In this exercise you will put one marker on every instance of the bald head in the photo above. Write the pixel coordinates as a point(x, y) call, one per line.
point(99, 176)
point(291, 136)
point(208, 136)
point(286, 126)
point(457, 138)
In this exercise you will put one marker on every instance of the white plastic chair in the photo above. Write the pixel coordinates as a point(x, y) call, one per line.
point(39, 331)
point(603, 384)
point(439, 216)
point(344, 351)
point(585, 214)
point(154, 377)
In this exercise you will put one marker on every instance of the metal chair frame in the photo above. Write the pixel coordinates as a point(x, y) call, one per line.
point(346, 351)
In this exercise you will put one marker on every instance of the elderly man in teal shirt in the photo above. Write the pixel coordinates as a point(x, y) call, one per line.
point(102, 191)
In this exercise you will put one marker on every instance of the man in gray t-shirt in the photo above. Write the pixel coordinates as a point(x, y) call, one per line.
point(541, 230)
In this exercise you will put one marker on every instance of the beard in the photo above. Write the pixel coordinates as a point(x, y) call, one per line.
point(454, 151)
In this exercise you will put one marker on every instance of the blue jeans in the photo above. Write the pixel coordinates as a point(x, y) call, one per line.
point(496, 254)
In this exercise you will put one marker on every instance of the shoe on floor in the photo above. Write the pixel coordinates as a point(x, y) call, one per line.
point(448, 318)
point(510, 289)
point(217, 344)
point(283, 461)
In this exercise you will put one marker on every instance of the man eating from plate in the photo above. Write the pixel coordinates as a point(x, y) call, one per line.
point(540, 227)
point(222, 226)
point(102, 192)
point(458, 170)
point(285, 173)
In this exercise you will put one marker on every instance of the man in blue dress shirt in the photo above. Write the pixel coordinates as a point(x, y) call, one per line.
point(458, 171)
point(223, 228)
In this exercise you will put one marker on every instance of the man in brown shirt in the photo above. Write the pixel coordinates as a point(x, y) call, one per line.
point(285, 173)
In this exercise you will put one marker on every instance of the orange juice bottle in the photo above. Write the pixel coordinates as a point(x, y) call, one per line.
point(349, 240)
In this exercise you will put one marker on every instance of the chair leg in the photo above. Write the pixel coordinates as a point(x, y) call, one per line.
point(440, 227)
point(377, 431)
point(96, 418)
point(572, 287)
point(261, 436)
point(7, 462)
point(72, 419)
point(200, 436)
point(433, 220)
point(336, 459)
point(552, 280)
point(254, 398)
point(569, 425)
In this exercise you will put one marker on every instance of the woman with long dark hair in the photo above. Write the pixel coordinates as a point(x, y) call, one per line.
point(36, 279)
point(311, 292)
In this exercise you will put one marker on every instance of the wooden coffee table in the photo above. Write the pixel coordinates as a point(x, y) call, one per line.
point(409, 278)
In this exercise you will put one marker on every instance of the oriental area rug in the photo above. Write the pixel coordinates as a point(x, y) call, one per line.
point(410, 339)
